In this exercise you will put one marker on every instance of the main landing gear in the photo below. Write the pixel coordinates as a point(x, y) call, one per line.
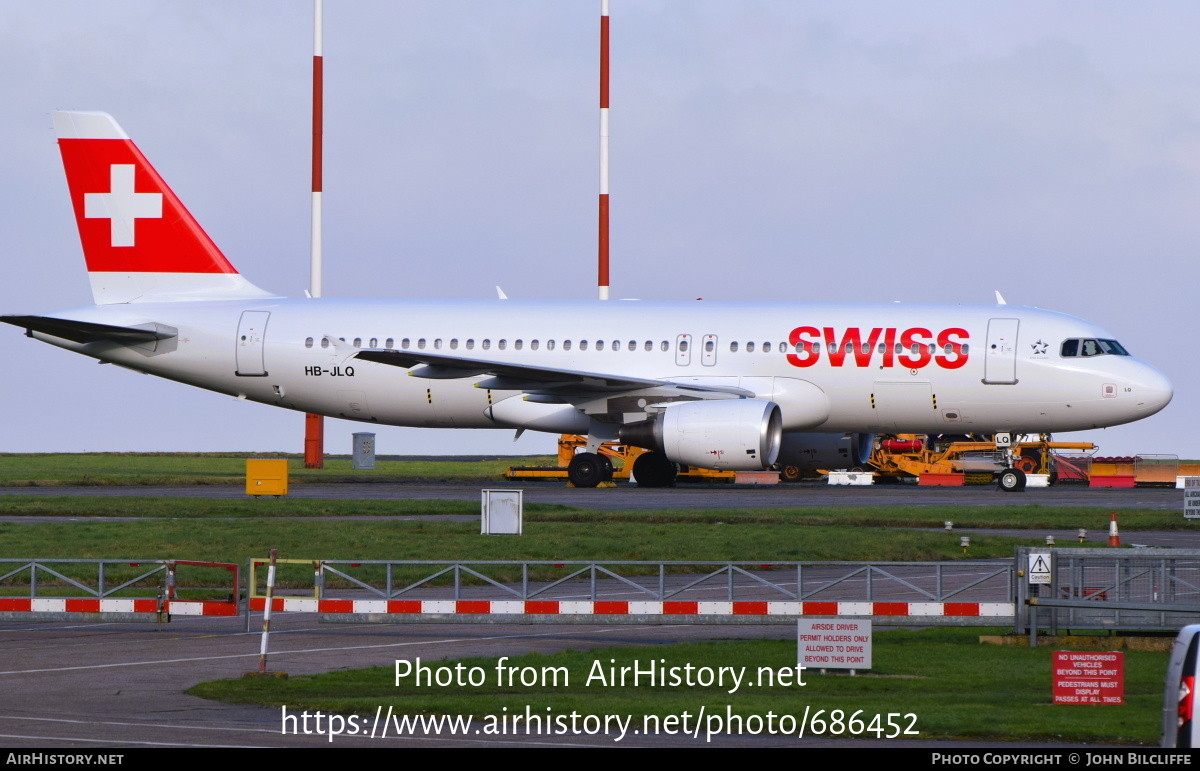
point(589, 469)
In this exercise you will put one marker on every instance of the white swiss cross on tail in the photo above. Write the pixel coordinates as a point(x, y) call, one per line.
point(121, 205)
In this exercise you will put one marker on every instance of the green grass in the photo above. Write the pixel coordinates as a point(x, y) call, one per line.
point(1030, 516)
point(51, 469)
point(954, 686)
point(236, 540)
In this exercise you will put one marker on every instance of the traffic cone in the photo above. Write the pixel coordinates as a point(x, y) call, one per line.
point(1114, 538)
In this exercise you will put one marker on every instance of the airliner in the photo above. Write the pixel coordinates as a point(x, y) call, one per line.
point(735, 386)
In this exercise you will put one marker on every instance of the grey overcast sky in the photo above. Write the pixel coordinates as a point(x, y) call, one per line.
point(761, 149)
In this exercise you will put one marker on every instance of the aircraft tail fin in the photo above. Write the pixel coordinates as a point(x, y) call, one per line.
point(140, 242)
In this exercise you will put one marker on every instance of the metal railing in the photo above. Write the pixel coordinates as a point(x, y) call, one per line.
point(658, 581)
point(1125, 589)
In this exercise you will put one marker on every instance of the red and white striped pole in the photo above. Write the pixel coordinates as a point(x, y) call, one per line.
point(314, 425)
point(603, 274)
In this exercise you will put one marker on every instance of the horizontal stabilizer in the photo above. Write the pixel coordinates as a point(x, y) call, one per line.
point(90, 332)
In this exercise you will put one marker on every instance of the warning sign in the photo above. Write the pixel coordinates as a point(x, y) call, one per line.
point(1089, 678)
point(1039, 568)
point(1191, 498)
point(834, 643)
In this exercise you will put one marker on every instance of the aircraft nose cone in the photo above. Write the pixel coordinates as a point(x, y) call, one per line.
point(1154, 391)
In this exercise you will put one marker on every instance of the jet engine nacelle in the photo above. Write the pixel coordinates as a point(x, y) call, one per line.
point(728, 434)
point(808, 451)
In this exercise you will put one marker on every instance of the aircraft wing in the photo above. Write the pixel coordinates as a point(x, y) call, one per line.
point(91, 332)
point(507, 376)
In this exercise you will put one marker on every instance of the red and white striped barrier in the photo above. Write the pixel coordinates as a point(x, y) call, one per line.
point(87, 605)
point(634, 607)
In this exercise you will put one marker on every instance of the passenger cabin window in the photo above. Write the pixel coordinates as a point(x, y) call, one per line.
point(665, 346)
point(421, 343)
point(733, 347)
point(766, 348)
point(502, 344)
point(454, 344)
point(437, 343)
point(749, 347)
point(324, 342)
point(487, 344)
point(517, 344)
point(405, 343)
point(649, 346)
point(390, 343)
point(583, 345)
point(533, 345)
point(549, 345)
point(566, 345)
point(308, 343)
point(470, 344)
point(374, 342)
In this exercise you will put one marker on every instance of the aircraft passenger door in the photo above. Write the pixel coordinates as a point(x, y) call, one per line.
point(708, 356)
point(252, 330)
point(683, 350)
point(1000, 357)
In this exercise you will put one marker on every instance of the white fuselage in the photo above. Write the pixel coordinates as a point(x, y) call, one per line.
point(910, 368)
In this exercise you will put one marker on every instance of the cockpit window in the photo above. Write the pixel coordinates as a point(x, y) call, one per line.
point(1113, 347)
point(1093, 348)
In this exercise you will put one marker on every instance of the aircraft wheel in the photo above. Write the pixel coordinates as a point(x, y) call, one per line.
point(587, 469)
point(1012, 480)
point(652, 469)
point(608, 467)
point(790, 473)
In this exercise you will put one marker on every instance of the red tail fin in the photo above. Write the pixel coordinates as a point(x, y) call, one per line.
point(140, 242)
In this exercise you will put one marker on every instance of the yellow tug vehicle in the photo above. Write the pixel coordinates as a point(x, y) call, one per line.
point(960, 459)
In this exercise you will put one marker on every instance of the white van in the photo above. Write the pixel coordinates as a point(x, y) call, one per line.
point(1180, 728)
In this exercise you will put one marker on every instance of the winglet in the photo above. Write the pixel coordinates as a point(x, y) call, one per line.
point(1000, 298)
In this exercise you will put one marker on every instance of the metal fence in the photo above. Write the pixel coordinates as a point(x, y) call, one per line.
point(1125, 589)
point(126, 588)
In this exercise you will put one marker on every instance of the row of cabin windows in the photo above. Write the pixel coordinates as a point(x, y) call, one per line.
point(502, 345)
point(632, 345)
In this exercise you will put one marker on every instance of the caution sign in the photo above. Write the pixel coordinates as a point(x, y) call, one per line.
point(1191, 498)
point(1089, 678)
point(1039, 568)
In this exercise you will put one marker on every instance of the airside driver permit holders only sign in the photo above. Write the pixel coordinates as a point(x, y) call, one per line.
point(833, 643)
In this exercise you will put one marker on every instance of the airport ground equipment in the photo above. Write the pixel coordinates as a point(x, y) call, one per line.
point(124, 590)
point(977, 459)
point(614, 461)
point(266, 477)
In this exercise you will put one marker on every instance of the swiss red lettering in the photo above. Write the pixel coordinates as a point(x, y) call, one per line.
point(953, 339)
point(851, 343)
point(805, 354)
point(912, 348)
point(909, 342)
